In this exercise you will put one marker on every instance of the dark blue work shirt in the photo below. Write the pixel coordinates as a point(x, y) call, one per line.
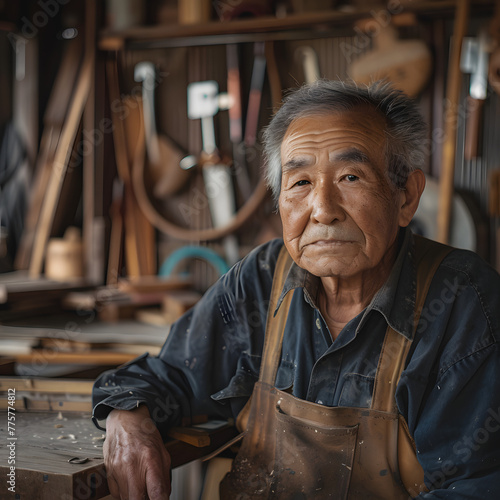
point(448, 393)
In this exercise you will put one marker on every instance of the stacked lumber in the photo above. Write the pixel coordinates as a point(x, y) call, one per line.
point(21, 295)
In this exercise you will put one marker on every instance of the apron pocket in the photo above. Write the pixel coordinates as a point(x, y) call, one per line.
point(312, 460)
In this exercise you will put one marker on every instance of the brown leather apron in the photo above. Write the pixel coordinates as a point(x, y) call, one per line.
point(296, 449)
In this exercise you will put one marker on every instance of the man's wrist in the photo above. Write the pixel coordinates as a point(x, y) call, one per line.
point(142, 409)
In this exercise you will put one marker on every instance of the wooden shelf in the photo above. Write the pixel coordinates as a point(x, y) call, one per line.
point(295, 26)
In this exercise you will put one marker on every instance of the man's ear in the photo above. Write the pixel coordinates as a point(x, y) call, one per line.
point(410, 197)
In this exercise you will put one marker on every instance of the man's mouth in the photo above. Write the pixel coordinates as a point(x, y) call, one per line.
point(329, 242)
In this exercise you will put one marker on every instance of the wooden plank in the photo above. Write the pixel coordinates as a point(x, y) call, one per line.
point(96, 357)
point(152, 284)
point(19, 286)
point(36, 306)
point(47, 385)
point(125, 309)
point(128, 142)
point(20, 295)
point(70, 194)
point(183, 453)
point(141, 237)
point(59, 167)
point(192, 436)
point(199, 436)
point(84, 329)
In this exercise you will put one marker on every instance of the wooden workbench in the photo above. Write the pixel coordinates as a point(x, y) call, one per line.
point(59, 456)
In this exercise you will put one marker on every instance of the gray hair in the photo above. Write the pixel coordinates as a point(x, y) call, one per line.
point(405, 127)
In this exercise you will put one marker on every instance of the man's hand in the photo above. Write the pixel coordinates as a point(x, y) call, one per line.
point(137, 463)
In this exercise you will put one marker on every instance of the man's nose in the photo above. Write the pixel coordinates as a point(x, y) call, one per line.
point(327, 206)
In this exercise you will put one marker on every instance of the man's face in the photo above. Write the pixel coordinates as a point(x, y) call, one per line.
point(340, 212)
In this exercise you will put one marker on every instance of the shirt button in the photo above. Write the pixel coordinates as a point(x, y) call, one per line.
point(318, 323)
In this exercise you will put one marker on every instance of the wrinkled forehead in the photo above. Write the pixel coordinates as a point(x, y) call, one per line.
point(361, 128)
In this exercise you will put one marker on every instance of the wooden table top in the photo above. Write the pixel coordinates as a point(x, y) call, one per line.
point(53, 453)
point(58, 455)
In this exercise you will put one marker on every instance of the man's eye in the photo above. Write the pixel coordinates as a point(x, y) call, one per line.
point(352, 178)
point(301, 183)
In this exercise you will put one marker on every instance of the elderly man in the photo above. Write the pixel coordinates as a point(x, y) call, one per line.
point(363, 361)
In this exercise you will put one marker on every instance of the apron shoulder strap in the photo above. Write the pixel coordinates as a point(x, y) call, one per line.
point(275, 324)
point(428, 256)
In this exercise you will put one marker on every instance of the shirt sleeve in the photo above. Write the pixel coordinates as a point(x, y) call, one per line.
point(211, 358)
point(454, 414)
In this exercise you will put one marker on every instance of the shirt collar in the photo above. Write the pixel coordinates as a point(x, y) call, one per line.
point(395, 300)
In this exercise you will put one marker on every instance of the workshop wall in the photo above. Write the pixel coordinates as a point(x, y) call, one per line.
point(165, 212)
